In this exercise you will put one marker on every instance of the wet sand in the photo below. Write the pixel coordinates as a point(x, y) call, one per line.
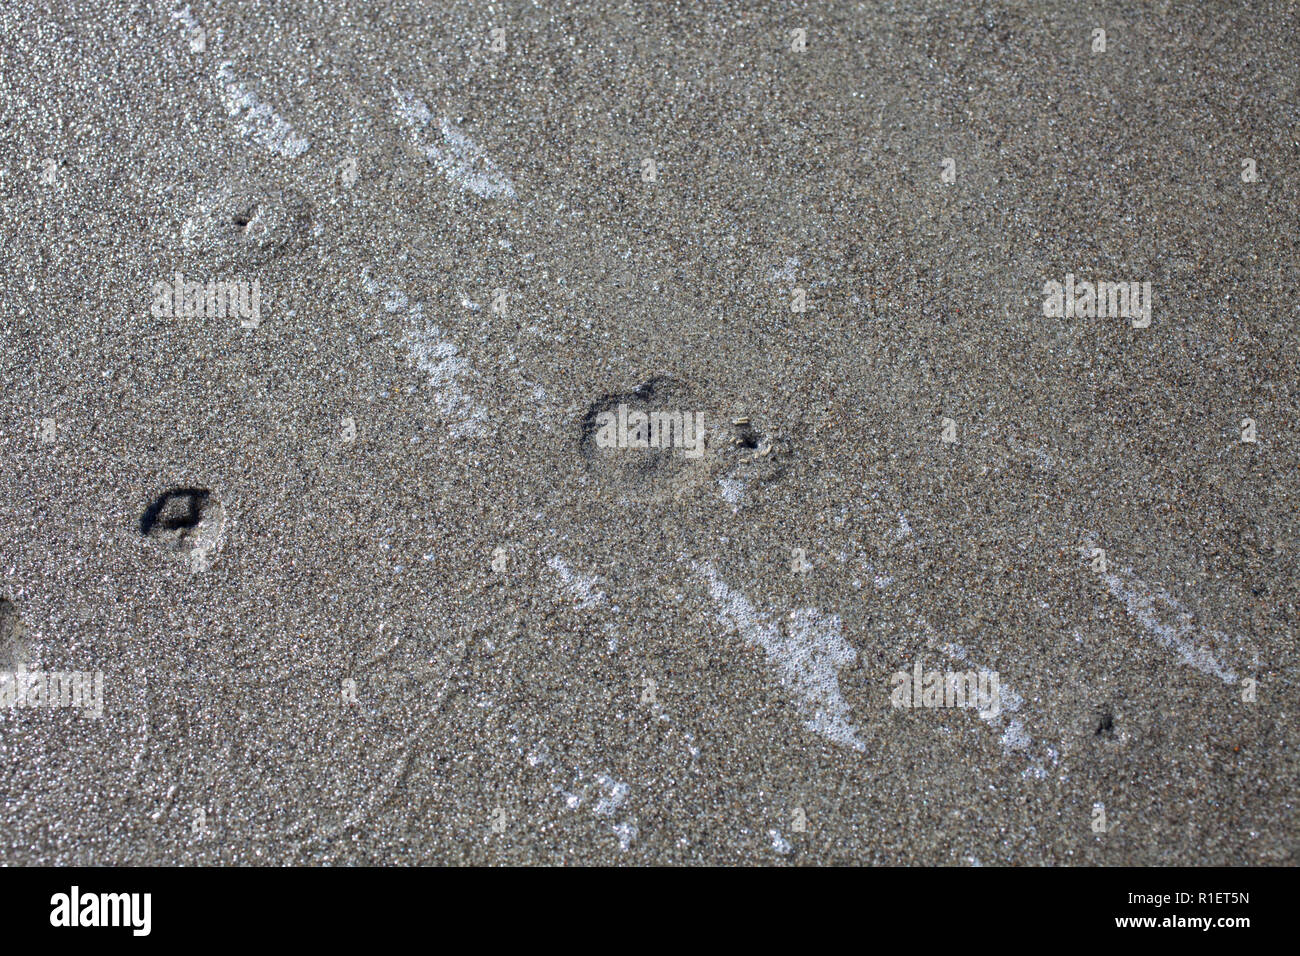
point(405, 608)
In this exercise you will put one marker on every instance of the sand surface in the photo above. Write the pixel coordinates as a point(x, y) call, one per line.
point(403, 607)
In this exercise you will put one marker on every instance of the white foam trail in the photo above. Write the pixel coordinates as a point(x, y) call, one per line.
point(1168, 621)
point(439, 359)
point(583, 589)
point(611, 795)
point(1014, 737)
point(786, 274)
point(257, 120)
point(626, 833)
point(807, 653)
point(197, 36)
point(454, 153)
point(618, 792)
point(733, 490)
point(779, 843)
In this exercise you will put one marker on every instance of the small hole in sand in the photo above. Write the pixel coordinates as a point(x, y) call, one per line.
point(183, 519)
point(244, 218)
point(1105, 722)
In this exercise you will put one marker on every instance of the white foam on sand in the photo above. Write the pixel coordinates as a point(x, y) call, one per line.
point(609, 802)
point(197, 37)
point(257, 120)
point(583, 589)
point(807, 651)
point(779, 843)
point(733, 490)
point(786, 274)
point(458, 157)
point(611, 794)
point(439, 358)
point(1168, 621)
point(1014, 737)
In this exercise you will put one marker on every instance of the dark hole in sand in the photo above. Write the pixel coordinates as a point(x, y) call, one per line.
point(247, 222)
point(244, 217)
point(1105, 722)
point(174, 513)
point(746, 437)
